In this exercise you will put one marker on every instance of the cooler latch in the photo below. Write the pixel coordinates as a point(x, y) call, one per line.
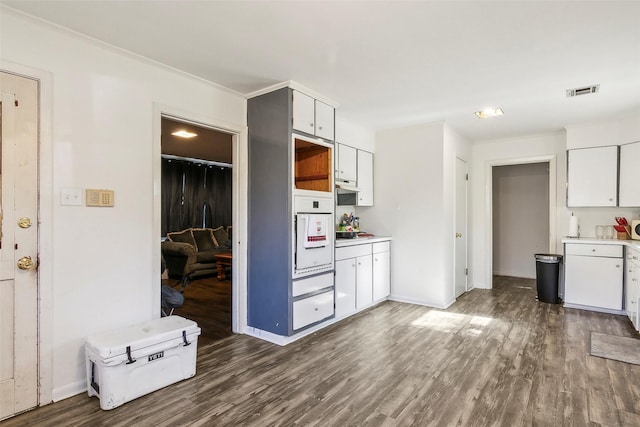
point(184, 339)
point(129, 358)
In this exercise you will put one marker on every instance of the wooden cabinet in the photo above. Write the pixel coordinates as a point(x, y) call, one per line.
point(347, 163)
point(632, 286)
point(592, 177)
point(381, 270)
point(365, 178)
point(312, 116)
point(629, 175)
point(593, 277)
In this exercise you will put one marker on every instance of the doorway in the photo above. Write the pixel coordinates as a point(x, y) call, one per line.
point(197, 198)
point(19, 124)
point(521, 218)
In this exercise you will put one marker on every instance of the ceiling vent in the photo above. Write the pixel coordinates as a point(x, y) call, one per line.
point(582, 90)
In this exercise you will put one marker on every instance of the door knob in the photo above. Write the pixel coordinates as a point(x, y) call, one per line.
point(24, 222)
point(25, 263)
point(458, 234)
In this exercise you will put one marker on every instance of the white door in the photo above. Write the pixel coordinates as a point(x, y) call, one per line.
point(460, 267)
point(18, 245)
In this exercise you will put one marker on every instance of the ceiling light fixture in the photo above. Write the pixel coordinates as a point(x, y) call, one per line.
point(489, 112)
point(184, 134)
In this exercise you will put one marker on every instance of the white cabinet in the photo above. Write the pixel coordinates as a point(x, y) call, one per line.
point(345, 286)
point(364, 281)
point(632, 285)
point(629, 175)
point(362, 276)
point(313, 309)
point(381, 270)
point(312, 116)
point(592, 177)
point(365, 178)
point(593, 276)
point(347, 163)
point(325, 120)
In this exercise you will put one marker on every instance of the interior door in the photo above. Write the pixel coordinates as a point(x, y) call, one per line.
point(460, 267)
point(18, 245)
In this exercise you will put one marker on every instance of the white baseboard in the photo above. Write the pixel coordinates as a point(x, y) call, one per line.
point(66, 391)
point(417, 302)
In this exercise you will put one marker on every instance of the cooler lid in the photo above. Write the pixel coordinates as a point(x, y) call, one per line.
point(114, 343)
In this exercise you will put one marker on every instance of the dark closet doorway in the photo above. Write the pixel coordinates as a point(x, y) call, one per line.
point(197, 194)
point(520, 197)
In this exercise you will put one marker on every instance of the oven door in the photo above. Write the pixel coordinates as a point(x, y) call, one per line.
point(314, 243)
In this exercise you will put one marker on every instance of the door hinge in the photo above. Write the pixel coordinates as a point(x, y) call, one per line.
point(466, 271)
point(466, 177)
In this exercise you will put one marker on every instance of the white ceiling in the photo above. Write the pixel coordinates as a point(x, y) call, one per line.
point(393, 63)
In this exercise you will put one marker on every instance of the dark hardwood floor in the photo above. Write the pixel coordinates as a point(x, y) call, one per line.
point(207, 301)
point(494, 358)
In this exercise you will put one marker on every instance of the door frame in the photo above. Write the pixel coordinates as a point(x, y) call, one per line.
point(45, 223)
point(466, 221)
point(488, 218)
point(239, 205)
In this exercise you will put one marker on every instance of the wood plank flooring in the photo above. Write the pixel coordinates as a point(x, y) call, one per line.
point(207, 301)
point(494, 358)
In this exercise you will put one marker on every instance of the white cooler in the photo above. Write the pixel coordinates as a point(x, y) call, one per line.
point(125, 364)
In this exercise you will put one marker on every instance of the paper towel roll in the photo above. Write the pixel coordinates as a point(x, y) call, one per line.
point(573, 226)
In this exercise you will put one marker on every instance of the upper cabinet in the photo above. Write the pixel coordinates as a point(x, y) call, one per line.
point(629, 175)
point(312, 116)
point(365, 178)
point(347, 163)
point(592, 177)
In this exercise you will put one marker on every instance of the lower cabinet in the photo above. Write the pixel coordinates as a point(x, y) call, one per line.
point(312, 309)
point(362, 276)
point(593, 276)
point(632, 285)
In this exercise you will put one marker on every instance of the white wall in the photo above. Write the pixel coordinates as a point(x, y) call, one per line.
point(526, 149)
point(408, 194)
point(99, 265)
point(520, 217)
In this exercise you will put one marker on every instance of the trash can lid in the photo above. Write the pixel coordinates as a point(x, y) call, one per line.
point(550, 258)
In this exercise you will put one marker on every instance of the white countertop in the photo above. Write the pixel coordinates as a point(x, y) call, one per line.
point(593, 241)
point(361, 241)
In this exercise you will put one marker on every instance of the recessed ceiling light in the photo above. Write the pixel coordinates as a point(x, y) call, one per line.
point(489, 112)
point(184, 134)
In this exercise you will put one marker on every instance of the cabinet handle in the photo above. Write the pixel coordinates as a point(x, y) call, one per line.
point(311, 124)
point(316, 309)
point(593, 250)
point(617, 265)
point(320, 127)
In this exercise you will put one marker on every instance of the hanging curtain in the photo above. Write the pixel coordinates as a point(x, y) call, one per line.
point(194, 195)
point(217, 196)
point(172, 195)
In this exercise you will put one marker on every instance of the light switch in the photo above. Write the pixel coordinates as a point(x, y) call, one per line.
point(71, 196)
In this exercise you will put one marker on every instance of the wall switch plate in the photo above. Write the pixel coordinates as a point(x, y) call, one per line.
point(71, 196)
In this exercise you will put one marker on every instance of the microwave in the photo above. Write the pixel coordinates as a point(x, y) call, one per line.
point(635, 229)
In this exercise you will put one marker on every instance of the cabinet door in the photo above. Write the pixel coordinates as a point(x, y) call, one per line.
point(345, 287)
point(365, 178)
point(629, 175)
point(364, 282)
point(381, 275)
point(592, 177)
point(347, 163)
point(593, 281)
point(303, 112)
point(325, 121)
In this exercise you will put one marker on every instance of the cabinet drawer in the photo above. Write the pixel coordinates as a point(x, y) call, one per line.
point(353, 251)
point(313, 309)
point(305, 286)
point(611, 251)
point(380, 247)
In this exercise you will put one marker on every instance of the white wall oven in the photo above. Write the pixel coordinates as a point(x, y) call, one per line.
point(313, 236)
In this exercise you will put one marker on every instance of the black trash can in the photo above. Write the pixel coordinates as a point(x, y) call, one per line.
point(548, 277)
